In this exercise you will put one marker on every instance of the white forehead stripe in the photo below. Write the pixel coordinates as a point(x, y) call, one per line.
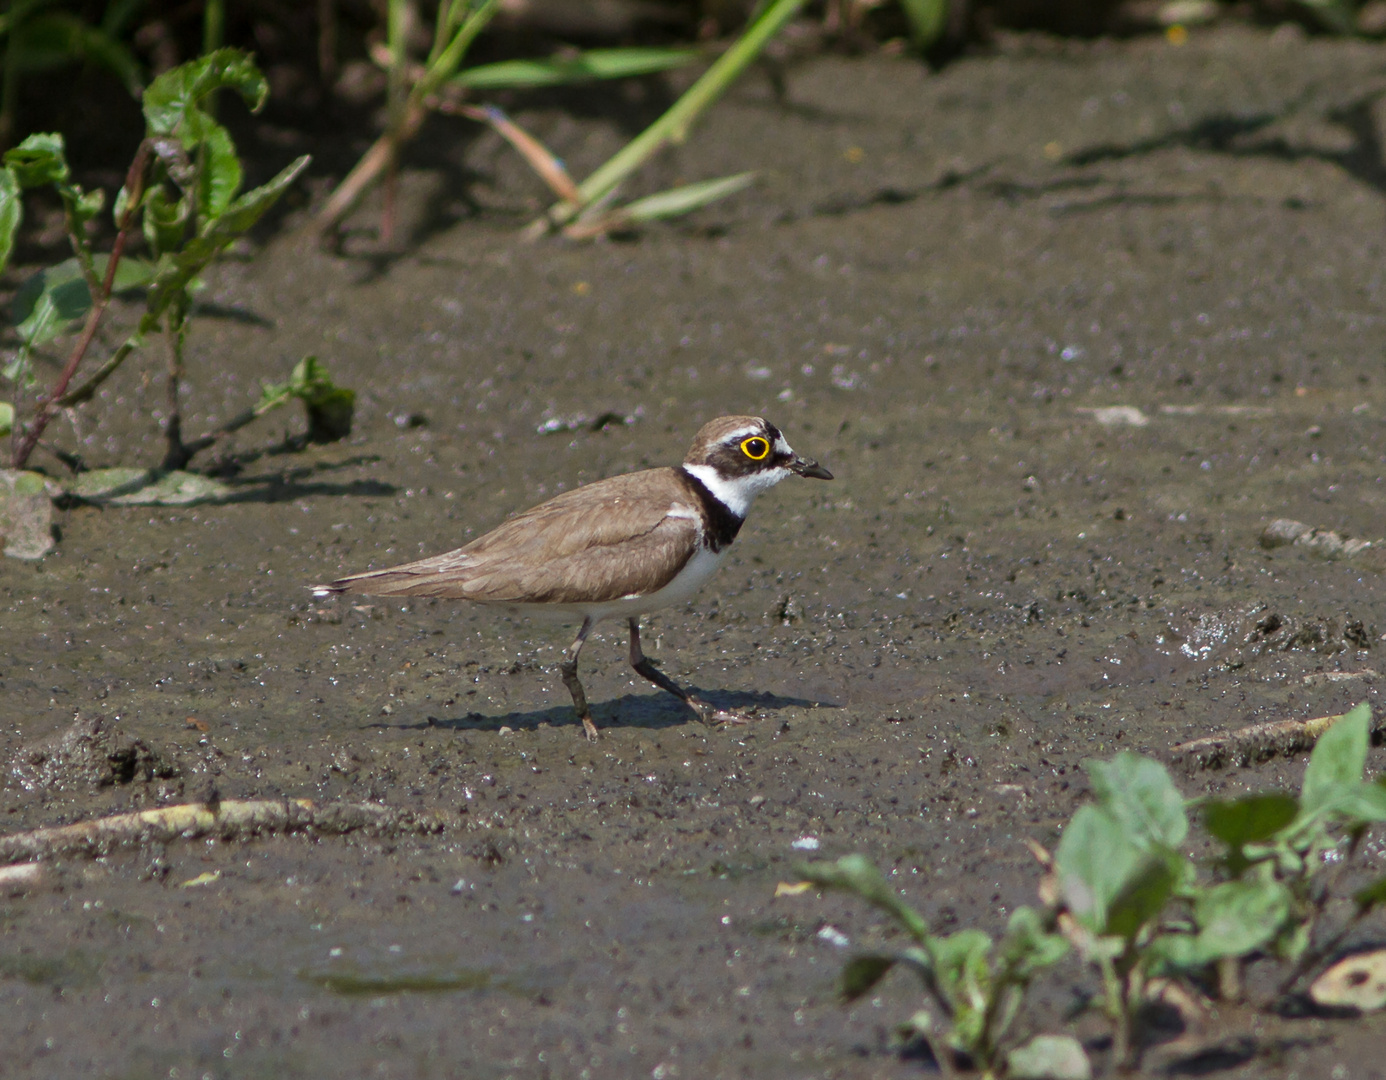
point(742, 433)
point(782, 447)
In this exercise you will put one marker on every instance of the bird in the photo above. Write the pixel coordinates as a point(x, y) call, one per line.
point(617, 548)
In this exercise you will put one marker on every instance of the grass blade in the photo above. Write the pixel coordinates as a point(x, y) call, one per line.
point(665, 204)
point(674, 124)
point(594, 64)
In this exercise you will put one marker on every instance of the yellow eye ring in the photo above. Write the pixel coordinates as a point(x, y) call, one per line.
point(756, 448)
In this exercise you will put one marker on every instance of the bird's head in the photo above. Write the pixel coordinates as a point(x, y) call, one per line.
point(738, 457)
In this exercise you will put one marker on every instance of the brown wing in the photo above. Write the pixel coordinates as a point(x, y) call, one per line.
point(601, 542)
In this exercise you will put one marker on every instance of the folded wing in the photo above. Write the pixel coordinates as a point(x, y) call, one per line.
point(612, 539)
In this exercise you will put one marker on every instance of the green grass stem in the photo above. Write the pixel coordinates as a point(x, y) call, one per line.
point(673, 126)
point(213, 25)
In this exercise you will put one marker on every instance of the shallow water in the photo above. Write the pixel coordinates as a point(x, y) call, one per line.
point(936, 289)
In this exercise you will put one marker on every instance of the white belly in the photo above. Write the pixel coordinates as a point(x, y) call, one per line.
point(685, 585)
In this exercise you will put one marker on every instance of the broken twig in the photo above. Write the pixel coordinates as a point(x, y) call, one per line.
point(230, 819)
point(1255, 744)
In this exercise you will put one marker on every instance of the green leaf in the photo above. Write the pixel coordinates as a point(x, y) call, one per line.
point(1337, 761)
point(1362, 803)
point(147, 487)
point(173, 103)
point(245, 211)
point(39, 160)
point(131, 273)
point(1237, 917)
point(19, 369)
point(26, 515)
point(165, 220)
point(857, 874)
point(927, 19)
point(682, 200)
point(1140, 795)
point(1095, 859)
point(11, 213)
point(1251, 819)
point(861, 973)
point(49, 301)
point(176, 272)
point(1143, 895)
point(330, 407)
point(6, 418)
point(963, 974)
point(219, 178)
point(585, 66)
point(1028, 947)
point(86, 205)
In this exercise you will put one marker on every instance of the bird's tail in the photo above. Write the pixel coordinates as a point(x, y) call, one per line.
point(439, 575)
point(392, 582)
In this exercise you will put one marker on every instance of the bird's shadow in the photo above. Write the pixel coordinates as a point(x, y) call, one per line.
point(652, 710)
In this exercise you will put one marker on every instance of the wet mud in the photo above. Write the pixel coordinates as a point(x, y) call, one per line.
point(1071, 324)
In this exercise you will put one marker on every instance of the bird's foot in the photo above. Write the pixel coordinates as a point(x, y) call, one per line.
point(589, 729)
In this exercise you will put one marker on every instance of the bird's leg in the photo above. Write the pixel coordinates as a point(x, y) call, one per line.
point(708, 713)
point(570, 679)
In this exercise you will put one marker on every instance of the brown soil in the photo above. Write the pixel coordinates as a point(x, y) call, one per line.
point(936, 283)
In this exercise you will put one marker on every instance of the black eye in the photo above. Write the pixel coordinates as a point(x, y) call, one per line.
point(756, 448)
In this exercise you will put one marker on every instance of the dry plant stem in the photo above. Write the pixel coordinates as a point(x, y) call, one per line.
point(374, 162)
point(442, 63)
point(1256, 743)
point(134, 185)
point(229, 819)
point(19, 877)
point(542, 160)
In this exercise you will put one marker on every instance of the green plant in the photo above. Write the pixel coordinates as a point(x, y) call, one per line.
point(409, 94)
point(1121, 889)
point(413, 90)
point(1283, 856)
point(976, 987)
point(1142, 911)
point(182, 190)
point(587, 211)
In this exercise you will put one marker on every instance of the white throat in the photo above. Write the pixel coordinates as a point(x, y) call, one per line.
point(738, 492)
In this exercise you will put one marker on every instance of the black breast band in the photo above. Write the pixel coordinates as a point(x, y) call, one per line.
point(721, 524)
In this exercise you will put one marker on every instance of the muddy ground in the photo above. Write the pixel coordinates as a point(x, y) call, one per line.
point(936, 283)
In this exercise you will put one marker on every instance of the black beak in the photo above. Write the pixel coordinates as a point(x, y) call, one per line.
point(809, 467)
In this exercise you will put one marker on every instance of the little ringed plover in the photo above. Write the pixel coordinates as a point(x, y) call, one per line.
point(620, 547)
